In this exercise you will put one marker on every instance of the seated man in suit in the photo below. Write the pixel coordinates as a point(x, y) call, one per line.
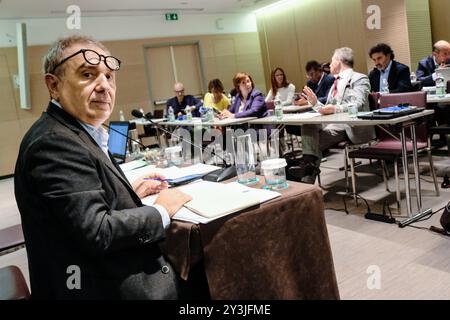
point(87, 233)
point(387, 71)
point(427, 66)
point(181, 101)
point(426, 73)
point(319, 82)
point(348, 86)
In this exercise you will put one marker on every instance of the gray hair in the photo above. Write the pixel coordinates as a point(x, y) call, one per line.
point(56, 52)
point(345, 55)
point(441, 45)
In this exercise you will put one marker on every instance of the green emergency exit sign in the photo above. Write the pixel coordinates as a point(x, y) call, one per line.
point(171, 16)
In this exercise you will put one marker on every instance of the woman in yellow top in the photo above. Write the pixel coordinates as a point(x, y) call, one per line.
point(215, 97)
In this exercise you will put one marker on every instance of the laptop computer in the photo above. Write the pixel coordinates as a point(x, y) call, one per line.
point(118, 140)
point(390, 112)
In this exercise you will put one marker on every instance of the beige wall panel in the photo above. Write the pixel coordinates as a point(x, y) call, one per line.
point(160, 71)
point(9, 146)
point(419, 30)
point(316, 41)
point(188, 68)
point(225, 62)
point(440, 21)
point(251, 64)
point(282, 44)
point(351, 30)
point(260, 21)
point(7, 92)
point(394, 30)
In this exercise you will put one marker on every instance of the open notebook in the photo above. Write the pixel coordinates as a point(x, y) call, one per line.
point(213, 200)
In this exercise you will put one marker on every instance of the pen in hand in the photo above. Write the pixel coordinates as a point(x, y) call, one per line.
point(156, 179)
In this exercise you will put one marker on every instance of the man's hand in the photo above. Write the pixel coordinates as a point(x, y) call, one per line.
point(309, 95)
point(328, 109)
point(172, 200)
point(149, 184)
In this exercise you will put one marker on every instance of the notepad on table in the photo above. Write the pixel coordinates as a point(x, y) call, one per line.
point(213, 200)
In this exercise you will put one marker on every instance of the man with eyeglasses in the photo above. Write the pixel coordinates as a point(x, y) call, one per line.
point(87, 233)
point(319, 82)
point(181, 101)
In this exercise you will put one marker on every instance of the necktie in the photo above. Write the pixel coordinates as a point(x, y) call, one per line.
point(335, 85)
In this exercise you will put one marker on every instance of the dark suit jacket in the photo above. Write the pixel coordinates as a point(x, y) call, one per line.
point(187, 101)
point(425, 70)
point(399, 78)
point(78, 209)
point(254, 107)
point(323, 88)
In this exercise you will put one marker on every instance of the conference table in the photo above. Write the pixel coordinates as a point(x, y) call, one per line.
point(404, 122)
point(433, 98)
point(277, 250)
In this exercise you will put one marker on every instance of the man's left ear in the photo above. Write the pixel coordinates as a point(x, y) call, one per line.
point(52, 82)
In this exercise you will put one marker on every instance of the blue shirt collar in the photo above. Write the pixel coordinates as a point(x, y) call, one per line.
point(388, 69)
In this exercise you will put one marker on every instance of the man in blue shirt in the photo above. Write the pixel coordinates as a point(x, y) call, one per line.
point(388, 76)
point(181, 101)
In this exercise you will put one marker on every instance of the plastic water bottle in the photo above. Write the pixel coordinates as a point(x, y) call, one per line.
point(413, 77)
point(171, 114)
point(210, 114)
point(440, 86)
point(278, 109)
point(384, 86)
point(121, 116)
point(188, 113)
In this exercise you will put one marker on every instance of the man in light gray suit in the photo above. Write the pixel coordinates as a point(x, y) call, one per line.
point(349, 86)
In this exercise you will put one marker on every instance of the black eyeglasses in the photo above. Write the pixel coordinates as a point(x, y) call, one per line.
point(94, 58)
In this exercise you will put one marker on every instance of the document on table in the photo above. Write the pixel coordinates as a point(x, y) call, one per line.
point(213, 200)
point(301, 116)
point(171, 172)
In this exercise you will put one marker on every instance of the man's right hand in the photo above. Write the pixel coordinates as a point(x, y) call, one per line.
point(172, 200)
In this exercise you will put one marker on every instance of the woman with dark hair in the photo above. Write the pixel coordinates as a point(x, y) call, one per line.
point(281, 88)
point(249, 101)
point(215, 97)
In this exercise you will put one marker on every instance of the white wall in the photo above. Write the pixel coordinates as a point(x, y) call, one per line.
point(46, 31)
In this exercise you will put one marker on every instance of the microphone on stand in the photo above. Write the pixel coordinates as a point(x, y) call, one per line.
point(216, 176)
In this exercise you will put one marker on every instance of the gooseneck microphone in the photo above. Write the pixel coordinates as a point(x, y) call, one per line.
point(218, 175)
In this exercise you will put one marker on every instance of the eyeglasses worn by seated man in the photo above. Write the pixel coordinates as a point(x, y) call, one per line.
point(92, 57)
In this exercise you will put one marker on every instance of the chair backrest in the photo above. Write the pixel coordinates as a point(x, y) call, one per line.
point(158, 114)
point(373, 100)
point(448, 86)
point(418, 99)
point(12, 284)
